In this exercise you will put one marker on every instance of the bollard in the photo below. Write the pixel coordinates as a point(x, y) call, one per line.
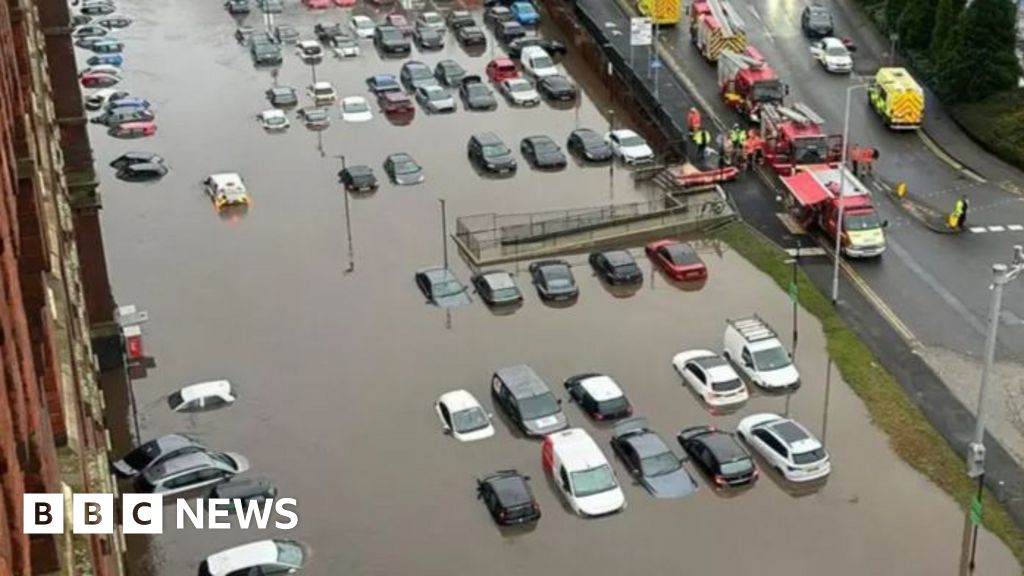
point(901, 189)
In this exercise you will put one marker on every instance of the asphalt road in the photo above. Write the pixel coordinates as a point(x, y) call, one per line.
point(337, 372)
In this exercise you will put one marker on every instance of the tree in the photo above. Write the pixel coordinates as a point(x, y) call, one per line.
point(945, 20)
point(893, 11)
point(915, 23)
point(979, 58)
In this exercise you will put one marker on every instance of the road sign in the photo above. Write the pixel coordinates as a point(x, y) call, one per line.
point(656, 63)
point(976, 510)
point(640, 32)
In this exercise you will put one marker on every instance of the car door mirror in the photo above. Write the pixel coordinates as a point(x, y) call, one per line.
point(559, 400)
point(885, 223)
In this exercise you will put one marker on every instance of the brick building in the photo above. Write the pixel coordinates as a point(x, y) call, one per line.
point(55, 300)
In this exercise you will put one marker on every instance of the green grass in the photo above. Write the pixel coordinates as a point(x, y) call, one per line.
point(997, 124)
point(910, 434)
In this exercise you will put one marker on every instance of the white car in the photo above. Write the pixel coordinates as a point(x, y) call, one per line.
point(582, 473)
point(309, 50)
point(463, 417)
point(322, 93)
point(537, 62)
point(363, 26)
point(263, 557)
point(226, 189)
point(787, 446)
point(202, 396)
point(711, 377)
point(520, 92)
point(833, 55)
point(435, 98)
point(348, 49)
point(273, 120)
point(355, 109)
point(629, 146)
point(99, 99)
point(430, 20)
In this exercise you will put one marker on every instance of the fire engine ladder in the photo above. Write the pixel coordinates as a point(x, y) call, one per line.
point(727, 18)
point(799, 113)
point(741, 61)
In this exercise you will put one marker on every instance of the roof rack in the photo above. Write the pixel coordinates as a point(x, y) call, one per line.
point(753, 329)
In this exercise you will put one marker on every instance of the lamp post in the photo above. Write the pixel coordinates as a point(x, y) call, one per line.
point(444, 230)
point(348, 222)
point(842, 190)
point(1001, 276)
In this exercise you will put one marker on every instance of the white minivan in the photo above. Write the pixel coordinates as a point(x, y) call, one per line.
point(582, 473)
point(537, 62)
point(755, 348)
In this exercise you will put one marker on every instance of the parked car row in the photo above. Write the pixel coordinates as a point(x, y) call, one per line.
point(578, 467)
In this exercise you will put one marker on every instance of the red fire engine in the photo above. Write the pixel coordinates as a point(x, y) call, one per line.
point(747, 82)
point(793, 137)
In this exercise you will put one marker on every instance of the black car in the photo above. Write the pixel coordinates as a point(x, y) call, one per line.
point(359, 178)
point(80, 20)
point(449, 73)
point(142, 172)
point(315, 118)
point(599, 396)
point(508, 497)
point(557, 88)
point(816, 21)
point(87, 42)
point(719, 454)
point(130, 158)
point(460, 19)
point(649, 459)
point(390, 40)
point(476, 95)
point(415, 74)
point(243, 34)
point(237, 7)
point(554, 280)
point(554, 48)
point(112, 22)
point(286, 33)
point(330, 34)
point(471, 36)
point(542, 152)
point(498, 14)
point(245, 489)
point(488, 152)
point(496, 288)
point(429, 38)
point(98, 8)
point(508, 31)
point(282, 96)
point(589, 146)
point(616, 267)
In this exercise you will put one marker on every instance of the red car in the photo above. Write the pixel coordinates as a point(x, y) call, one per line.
point(501, 69)
point(400, 22)
point(679, 261)
point(133, 130)
point(99, 80)
point(345, 3)
point(316, 4)
point(396, 103)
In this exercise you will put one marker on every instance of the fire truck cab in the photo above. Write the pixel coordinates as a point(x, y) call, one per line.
point(793, 137)
point(747, 82)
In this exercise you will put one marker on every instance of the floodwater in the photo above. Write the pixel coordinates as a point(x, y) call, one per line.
point(338, 371)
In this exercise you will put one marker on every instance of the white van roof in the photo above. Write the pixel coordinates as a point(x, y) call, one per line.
point(577, 450)
point(205, 389)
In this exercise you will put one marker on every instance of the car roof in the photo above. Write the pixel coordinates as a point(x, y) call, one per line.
point(145, 167)
point(503, 62)
point(722, 444)
point(577, 449)
point(647, 443)
point(359, 170)
point(353, 100)
point(457, 400)
point(396, 96)
point(275, 113)
point(437, 273)
point(601, 388)
point(283, 90)
point(414, 64)
point(498, 280)
point(833, 43)
point(322, 85)
point(308, 43)
point(226, 179)
point(180, 464)
point(511, 489)
point(619, 257)
point(238, 487)
point(378, 78)
point(623, 133)
point(204, 389)
point(403, 157)
point(708, 363)
point(522, 381)
point(537, 138)
point(486, 138)
point(169, 442)
point(244, 556)
point(793, 434)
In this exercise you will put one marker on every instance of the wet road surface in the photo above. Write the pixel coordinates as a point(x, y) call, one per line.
point(337, 372)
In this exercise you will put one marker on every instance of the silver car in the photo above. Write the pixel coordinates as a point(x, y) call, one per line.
point(191, 471)
point(435, 99)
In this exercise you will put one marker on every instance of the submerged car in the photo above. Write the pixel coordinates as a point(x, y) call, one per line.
point(381, 83)
point(415, 74)
point(629, 146)
point(282, 96)
point(462, 416)
point(429, 38)
point(487, 151)
point(542, 152)
point(598, 396)
point(520, 92)
point(403, 170)
point(358, 178)
point(471, 36)
point(786, 445)
point(719, 455)
point(132, 158)
point(256, 558)
point(435, 98)
point(527, 401)
point(476, 95)
point(557, 88)
point(508, 497)
point(496, 288)
point(650, 460)
point(449, 73)
point(396, 103)
point(589, 146)
point(273, 120)
point(711, 376)
point(678, 260)
point(554, 280)
point(441, 287)
point(202, 396)
point(315, 118)
point(226, 189)
point(616, 267)
point(142, 172)
point(154, 452)
point(355, 109)
point(188, 472)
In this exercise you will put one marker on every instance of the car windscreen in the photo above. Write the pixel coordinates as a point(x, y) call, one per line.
point(726, 385)
point(519, 86)
point(612, 406)
point(406, 167)
point(495, 150)
point(477, 90)
point(810, 150)
point(469, 420)
point(506, 293)
point(857, 222)
point(542, 62)
point(142, 456)
point(631, 141)
point(837, 52)
point(593, 481)
point(445, 287)
point(538, 406)
point(742, 466)
point(769, 91)
point(809, 457)
point(545, 146)
point(771, 359)
point(174, 400)
point(627, 270)
point(659, 464)
point(419, 73)
point(289, 554)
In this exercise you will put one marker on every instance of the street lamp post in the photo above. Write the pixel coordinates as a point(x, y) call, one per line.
point(1001, 276)
point(842, 190)
point(348, 222)
point(444, 230)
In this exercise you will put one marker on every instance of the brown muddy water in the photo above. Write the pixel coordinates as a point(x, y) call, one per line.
point(338, 371)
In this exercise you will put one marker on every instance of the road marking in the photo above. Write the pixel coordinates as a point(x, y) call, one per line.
point(756, 15)
point(811, 251)
point(931, 145)
point(1016, 227)
point(979, 229)
point(996, 229)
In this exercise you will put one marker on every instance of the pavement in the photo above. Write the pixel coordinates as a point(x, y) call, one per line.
point(929, 288)
point(337, 370)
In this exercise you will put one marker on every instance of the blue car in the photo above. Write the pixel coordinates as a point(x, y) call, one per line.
point(128, 102)
point(108, 59)
point(525, 13)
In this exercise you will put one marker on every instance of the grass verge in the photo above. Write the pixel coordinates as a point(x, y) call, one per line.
point(997, 124)
point(910, 433)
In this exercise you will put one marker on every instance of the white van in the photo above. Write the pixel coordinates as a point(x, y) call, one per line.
point(582, 473)
point(537, 62)
point(755, 348)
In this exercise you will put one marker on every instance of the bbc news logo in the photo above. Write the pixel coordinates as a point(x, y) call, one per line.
point(144, 513)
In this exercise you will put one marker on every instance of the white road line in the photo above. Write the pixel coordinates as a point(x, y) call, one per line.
point(756, 15)
point(979, 229)
point(1015, 227)
point(997, 229)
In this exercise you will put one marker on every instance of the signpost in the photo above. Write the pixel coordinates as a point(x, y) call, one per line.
point(641, 33)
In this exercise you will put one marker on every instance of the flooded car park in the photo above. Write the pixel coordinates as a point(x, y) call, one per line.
point(338, 367)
